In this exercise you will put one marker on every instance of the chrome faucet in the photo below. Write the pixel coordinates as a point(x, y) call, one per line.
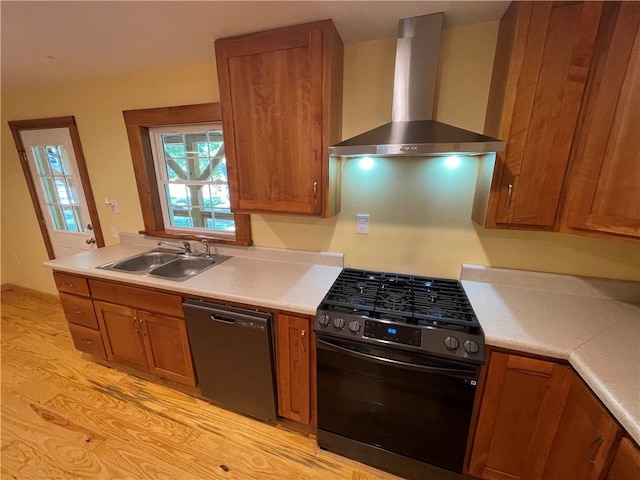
point(207, 247)
point(205, 242)
point(186, 246)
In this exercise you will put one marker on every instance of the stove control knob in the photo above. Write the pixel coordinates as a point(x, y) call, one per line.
point(470, 346)
point(338, 322)
point(451, 343)
point(354, 326)
point(324, 320)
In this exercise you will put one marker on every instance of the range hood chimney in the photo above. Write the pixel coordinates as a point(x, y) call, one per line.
point(412, 130)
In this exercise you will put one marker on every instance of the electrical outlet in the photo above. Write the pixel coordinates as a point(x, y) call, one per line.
point(114, 232)
point(362, 223)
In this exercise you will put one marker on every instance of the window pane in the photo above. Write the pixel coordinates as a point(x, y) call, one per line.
point(176, 169)
point(177, 195)
point(220, 171)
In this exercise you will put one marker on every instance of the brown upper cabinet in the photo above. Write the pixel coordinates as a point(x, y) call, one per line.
point(563, 95)
point(281, 97)
point(604, 180)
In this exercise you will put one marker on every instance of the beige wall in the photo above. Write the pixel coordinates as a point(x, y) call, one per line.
point(420, 210)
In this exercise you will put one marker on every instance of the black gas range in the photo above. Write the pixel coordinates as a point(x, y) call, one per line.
point(411, 312)
point(398, 359)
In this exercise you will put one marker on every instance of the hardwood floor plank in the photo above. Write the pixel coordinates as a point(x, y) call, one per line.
point(65, 416)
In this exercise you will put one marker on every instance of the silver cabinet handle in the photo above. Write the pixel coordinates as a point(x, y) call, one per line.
point(507, 204)
point(302, 335)
point(315, 192)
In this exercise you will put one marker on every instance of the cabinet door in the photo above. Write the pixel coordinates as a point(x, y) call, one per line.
point(275, 92)
point(626, 464)
point(584, 437)
point(540, 72)
point(121, 334)
point(167, 347)
point(520, 410)
point(604, 193)
point(293, 353)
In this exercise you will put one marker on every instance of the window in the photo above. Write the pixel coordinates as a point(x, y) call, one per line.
point(178, 155)
point(192, 174)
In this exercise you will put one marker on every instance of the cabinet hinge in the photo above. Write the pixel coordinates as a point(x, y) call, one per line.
point(23, 156)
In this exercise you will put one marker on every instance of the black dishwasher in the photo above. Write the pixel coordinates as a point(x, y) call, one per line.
point(233, 352)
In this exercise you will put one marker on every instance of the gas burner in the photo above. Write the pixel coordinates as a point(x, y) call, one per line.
point(430, 295)
point(437, 312)
point(395, 301)
point(354, 300)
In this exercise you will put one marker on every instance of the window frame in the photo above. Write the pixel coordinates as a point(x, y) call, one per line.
point(138, 123)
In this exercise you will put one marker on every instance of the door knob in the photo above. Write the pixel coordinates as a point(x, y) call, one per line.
point(89, 226)
point(91, 240)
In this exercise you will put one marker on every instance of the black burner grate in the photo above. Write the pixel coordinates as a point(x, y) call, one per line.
point(413, 299)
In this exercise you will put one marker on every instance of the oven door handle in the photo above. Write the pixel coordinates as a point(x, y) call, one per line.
point(463, 373)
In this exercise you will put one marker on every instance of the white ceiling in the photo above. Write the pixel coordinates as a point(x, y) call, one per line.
point(51, 41)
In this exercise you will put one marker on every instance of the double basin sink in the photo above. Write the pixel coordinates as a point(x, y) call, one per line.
point(166, 264)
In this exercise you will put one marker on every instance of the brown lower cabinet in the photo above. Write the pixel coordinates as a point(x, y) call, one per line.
point(295, 361)
point(626, 464)
point(78, 309)
point(538, 420)
point(146, 341)
point(134, 326)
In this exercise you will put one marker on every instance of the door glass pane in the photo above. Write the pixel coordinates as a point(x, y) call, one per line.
point(60, 189)
point(54, 160)
point(64, 159)
point(56, 215)
point(49, 189)
point(42, 161)
point(73, 191)
point(71, 223)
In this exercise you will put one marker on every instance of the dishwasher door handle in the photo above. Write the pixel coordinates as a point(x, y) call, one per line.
point(218, 318)
point(223, 315)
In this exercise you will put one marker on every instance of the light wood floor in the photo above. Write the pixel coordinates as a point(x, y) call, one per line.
point(64, 416)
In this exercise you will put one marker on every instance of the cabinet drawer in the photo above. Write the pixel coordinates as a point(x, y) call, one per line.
point(69, 283)
point(136, 297)
point(87, 340)
point(79, 310)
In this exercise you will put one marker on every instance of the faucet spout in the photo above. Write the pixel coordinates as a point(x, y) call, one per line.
point(186, 246)
point(205, 242)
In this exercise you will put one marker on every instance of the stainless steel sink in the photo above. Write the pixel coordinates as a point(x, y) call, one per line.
point(166, 264)
point(145, 262)
point(186, 267)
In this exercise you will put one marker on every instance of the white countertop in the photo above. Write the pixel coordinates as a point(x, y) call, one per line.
point(290, 280)
point(594, 324)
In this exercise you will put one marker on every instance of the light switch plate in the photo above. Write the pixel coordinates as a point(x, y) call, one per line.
point(362, 223)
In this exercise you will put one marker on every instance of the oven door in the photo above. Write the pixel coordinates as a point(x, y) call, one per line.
point(410, 404)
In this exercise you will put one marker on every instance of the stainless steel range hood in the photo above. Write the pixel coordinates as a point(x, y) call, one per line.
point(412, 130)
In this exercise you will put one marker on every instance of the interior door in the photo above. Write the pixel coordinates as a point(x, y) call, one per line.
point(53, 168)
